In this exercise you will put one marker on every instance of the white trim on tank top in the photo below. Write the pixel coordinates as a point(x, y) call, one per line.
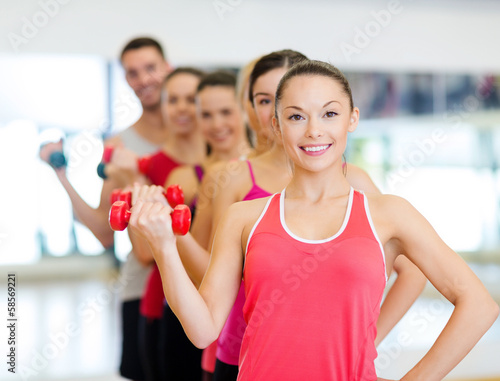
point(315, 241)
point(372, 226)
point(258, 221)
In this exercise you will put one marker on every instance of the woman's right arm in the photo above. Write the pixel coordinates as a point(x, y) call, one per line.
point(202, 312)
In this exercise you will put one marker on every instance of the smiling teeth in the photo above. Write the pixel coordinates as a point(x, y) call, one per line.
point(146, 90)
point(314, 149)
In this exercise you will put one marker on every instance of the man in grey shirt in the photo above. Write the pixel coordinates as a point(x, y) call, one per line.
point(145, 70)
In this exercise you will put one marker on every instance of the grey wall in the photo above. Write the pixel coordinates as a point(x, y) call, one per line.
point(440, 35)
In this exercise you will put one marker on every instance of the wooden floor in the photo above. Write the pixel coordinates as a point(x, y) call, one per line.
point(69, 330)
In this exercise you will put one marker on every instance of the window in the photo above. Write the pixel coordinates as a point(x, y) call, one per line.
point(41, 93)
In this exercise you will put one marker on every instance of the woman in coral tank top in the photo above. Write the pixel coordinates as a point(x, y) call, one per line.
point(262, 176)
point(312, 256)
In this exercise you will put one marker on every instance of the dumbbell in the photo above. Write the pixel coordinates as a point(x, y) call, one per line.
point(142, 162)
point(57, 160)
point(120, 195)
point(119, 214)
point(121, 201)
point(119, 217)
point(107, 153)
point(173, 194)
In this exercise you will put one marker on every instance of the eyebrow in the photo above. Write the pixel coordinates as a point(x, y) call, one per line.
point(326, 104)
point(257, 94)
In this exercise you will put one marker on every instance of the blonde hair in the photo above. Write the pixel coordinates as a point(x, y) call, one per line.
point(242, 83)
point(243, 79)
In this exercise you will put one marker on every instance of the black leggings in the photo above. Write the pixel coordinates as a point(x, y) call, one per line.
point(181, 359)
point(225, 372)
point(131, 364)
point(149, 344)
point(149, 348)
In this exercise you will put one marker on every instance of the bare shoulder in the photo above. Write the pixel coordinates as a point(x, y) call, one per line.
point(244, 214)
point(388, 203)
point(181, 174)
point(185, 177)
point(360, 179)
point(227, 177)
point(251, 208)
point(227, 169)
point(394, 216)
point(214, 168)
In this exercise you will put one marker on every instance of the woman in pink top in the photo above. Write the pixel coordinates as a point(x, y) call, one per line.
point(312, 257)
point(269, 173)
point(221, 122)
point(185, 145)
point(237, 182)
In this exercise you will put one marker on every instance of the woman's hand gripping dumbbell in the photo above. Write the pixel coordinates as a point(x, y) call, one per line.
point(174, 195)
point(119, 214)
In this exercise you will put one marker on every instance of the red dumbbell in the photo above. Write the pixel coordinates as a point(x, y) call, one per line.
point(143, 163)
point(107, 153)
point(120, 195)
point(173, 194)
point(115, 194)
point(119, 216)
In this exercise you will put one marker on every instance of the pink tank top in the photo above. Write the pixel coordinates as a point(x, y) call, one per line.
point(229, 341)
point(312, 305)
point(256, 191)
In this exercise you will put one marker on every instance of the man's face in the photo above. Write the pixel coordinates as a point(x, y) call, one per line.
point(145, 71)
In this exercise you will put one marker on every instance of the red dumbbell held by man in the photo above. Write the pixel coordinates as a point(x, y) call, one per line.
point(119, 214)
point(142, 164)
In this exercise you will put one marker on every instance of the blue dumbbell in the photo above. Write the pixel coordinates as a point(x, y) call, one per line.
point(100, 171)
point(57, 160)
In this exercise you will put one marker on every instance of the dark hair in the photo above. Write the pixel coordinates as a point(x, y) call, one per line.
point(185, 70)
point(313, 68)
point(218, 78)
point(279, 59)
point(142, 42)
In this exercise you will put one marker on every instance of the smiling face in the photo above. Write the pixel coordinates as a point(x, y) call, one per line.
point(179, 107)
point(145, 71)
point(220, 117)
point(314, 117)
point(264, 90)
